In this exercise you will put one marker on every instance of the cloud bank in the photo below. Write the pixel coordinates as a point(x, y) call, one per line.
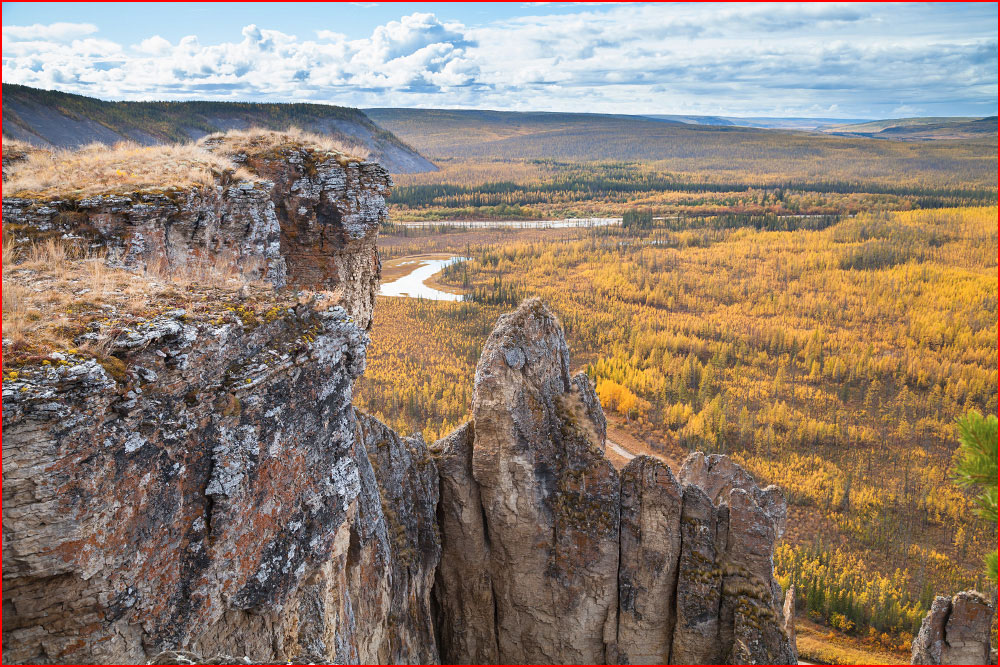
point(811, 60)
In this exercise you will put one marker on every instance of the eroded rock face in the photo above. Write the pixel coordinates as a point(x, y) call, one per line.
point(175, 229)
point(463, 590)
point(788, 618)
point(221, 494)
point(549, 495)
point(650, 546)
point(550, 556)
point(309, 218)
point(329, 210)
point(956, 631)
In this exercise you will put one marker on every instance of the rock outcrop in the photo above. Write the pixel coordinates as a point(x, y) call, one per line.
point(549, 555)
point(788, 618)
point(329, 209)
point(205, 483)
point(308, 218)
point(202, 486)
point(956, 631)
point(169, 229)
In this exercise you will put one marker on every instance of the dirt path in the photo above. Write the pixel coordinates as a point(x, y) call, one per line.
point(620, 451)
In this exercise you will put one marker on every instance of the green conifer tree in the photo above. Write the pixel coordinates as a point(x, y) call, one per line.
point(976, 468)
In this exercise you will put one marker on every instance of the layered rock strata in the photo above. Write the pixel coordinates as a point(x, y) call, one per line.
point(309, 218)
point(329, 209)
point(170, 229)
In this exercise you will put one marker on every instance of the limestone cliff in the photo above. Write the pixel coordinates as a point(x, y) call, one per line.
point(308, 217)
point(170, 228)
point(202, 485)
point(329, 209)
point(205, 483)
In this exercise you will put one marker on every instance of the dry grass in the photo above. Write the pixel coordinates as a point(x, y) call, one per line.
point(258, 139)
point(16, 147)
point(16, 152)
point(52, 291)
point(97, 168)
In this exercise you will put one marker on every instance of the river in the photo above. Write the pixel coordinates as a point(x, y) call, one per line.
point(412, 284)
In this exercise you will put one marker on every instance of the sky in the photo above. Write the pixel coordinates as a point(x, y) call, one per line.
point(810, 60)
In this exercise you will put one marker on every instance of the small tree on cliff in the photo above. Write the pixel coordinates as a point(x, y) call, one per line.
point(976, 467)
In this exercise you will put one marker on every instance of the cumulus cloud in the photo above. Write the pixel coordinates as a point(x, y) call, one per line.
point(53, 32)
point(638, 58)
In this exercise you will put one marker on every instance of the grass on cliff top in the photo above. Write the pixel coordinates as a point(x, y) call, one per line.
point(257, 140)
point(53, 291)
point(96, 169)
point(14, 149)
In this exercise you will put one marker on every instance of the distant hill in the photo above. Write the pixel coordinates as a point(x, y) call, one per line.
point(691, 120)
point(51, 118)
point(467, 133)
point(509, 135)
point(921, 129)
point(767, 122)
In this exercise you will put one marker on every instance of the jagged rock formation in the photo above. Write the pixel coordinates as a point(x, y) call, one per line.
point(956, 631)
point(206, 487)
point(549, 555)
point(208, 484)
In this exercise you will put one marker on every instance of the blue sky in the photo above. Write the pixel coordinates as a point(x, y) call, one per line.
point(828, 60)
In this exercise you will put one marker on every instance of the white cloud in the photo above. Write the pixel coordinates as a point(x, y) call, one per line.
point(154, 46)
point(55, 32)
point(637, 58)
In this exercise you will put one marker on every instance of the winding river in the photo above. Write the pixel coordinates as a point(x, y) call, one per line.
point(412, 284)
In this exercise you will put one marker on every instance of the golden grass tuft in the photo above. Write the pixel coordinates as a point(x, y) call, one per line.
point(97, 168)
point(827, 647)
point(52, 290)
point(14, 147)
point(256, 139)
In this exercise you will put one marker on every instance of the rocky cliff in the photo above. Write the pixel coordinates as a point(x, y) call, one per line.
point(204, 483)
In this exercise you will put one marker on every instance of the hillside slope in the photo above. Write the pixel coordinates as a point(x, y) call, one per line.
point(51, 118)
point(922, 129)
point(507, 135)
